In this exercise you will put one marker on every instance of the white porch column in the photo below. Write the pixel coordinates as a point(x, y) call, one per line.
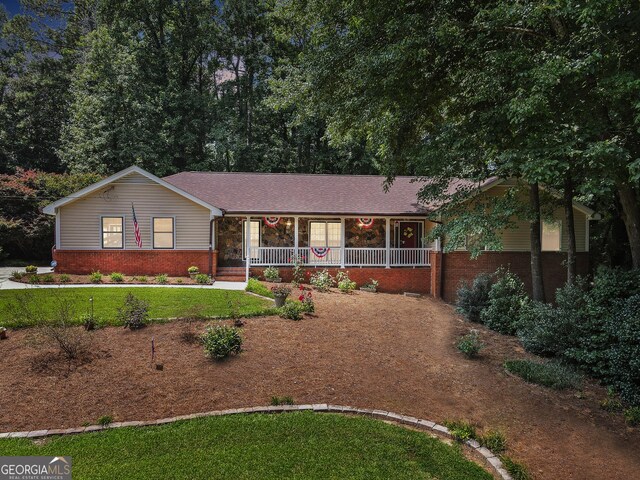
point(296, 241)
point(342, 242)
point(387, 234)
point(247, 243)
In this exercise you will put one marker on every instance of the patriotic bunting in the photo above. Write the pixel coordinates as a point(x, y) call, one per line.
point(271, 221)
point(320, 252)
point(365, 222)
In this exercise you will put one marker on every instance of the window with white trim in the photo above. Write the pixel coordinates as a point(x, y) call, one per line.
point(112, 232)
point(255, 238)
point(325, 234)
point(551, 236)
point(163, 232)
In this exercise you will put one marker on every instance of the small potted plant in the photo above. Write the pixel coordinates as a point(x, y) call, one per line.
point(3, 333)
point(372, 286)
point(31, 269)
point(272, 274)
point(280, 294)
point(193, 271)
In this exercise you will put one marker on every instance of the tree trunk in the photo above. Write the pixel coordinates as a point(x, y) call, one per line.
point(631, 217)
point(571, 229)
point(537, 282)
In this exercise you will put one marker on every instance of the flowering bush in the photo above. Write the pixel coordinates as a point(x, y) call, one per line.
point(291, 311)
point(298, 273)
point(192, 270)
point(307, 301)
point(271, 273)
point(322, 280)
point(220, 341)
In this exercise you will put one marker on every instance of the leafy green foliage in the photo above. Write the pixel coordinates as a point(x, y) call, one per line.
point(470, 344)
point(472, 299)
point(515, 469)
point(322, 280)
point(507, 298)
point(116, 277)
point(255, 286)
point(271, 273)
point(162, 278)
point(550, 374)
point(292, 310)
point(493, 440)
point(203, 279)
point(286, 400)
point(345, 284)
point(461, 430)
point(31, 269)
point(220, 341)
point(95, 277)
point(134, 313)
point(105, 420)
point(192, 270)
point(632, 416)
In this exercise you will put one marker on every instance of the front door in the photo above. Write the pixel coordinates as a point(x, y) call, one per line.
point(409, 235)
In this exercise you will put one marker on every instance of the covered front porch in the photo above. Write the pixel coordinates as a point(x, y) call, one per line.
point(323, 241)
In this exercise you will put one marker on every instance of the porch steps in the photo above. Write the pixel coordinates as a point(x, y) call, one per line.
point(231, 274)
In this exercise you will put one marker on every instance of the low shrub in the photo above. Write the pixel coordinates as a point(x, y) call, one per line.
point(322, 280)
point(17, 275)
point(134, 313)
point(473, 298)
point(271, 273)
point(116, 277)
point(275, 400)
point(470, 344)
point(31, 269)
point(48, 278)
point(220, 341)
point(105, 420)
point(192, 270)
point(297, 272)
point(162, 279)
point(291, 311)
point(88, 321)
point(632, 416)
point(95, 277)
point(34, 279)
point(550, 374)
point(141, 279)
point(494, 441)
point(461, 430)
point(64, 278)
point(541, 330)
point(515, 469)
point(611, 403)
point(203, 279)
point(507, 297)
point(372, 285)
point(255, 286)
point(345, 284)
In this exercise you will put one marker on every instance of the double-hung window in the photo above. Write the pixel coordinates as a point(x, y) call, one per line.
point(325, 234)
point(112, 232)
point(163, 232)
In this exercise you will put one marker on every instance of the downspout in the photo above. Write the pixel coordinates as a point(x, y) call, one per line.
point(211, 246)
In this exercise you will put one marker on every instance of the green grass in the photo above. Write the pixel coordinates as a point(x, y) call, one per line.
point(293, 445)
point(163, 302)
point(549, 374)
point(257, 287)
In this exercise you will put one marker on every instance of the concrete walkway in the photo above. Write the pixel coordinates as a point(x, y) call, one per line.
point(7, 284)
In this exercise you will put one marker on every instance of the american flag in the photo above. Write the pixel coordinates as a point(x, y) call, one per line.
point(136, 229)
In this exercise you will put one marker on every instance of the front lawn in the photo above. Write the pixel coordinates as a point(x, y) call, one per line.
point(163, 302)
point(293, 445)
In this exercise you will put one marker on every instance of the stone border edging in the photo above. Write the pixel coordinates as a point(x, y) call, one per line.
point(494, 462)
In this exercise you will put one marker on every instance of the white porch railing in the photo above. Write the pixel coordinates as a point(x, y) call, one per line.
point(353, 257)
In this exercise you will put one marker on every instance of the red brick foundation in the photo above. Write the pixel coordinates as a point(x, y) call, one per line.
point(134, 262)
point(392, 280)
point(458, 266)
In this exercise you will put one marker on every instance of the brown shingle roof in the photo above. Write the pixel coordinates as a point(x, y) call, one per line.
point(266, 193)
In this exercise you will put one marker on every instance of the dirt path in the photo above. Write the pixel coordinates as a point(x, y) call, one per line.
point(376, 351)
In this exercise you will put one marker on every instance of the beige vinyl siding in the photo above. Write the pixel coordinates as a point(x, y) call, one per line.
point(517, 239)
point(80, 221)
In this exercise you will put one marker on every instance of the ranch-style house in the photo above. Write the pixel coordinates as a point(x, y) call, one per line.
point(233, 225)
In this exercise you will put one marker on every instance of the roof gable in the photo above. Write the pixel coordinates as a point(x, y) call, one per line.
point(128, 172)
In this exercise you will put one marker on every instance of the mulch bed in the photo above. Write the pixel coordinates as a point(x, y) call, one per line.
point(106, 279)
point(370, 351)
